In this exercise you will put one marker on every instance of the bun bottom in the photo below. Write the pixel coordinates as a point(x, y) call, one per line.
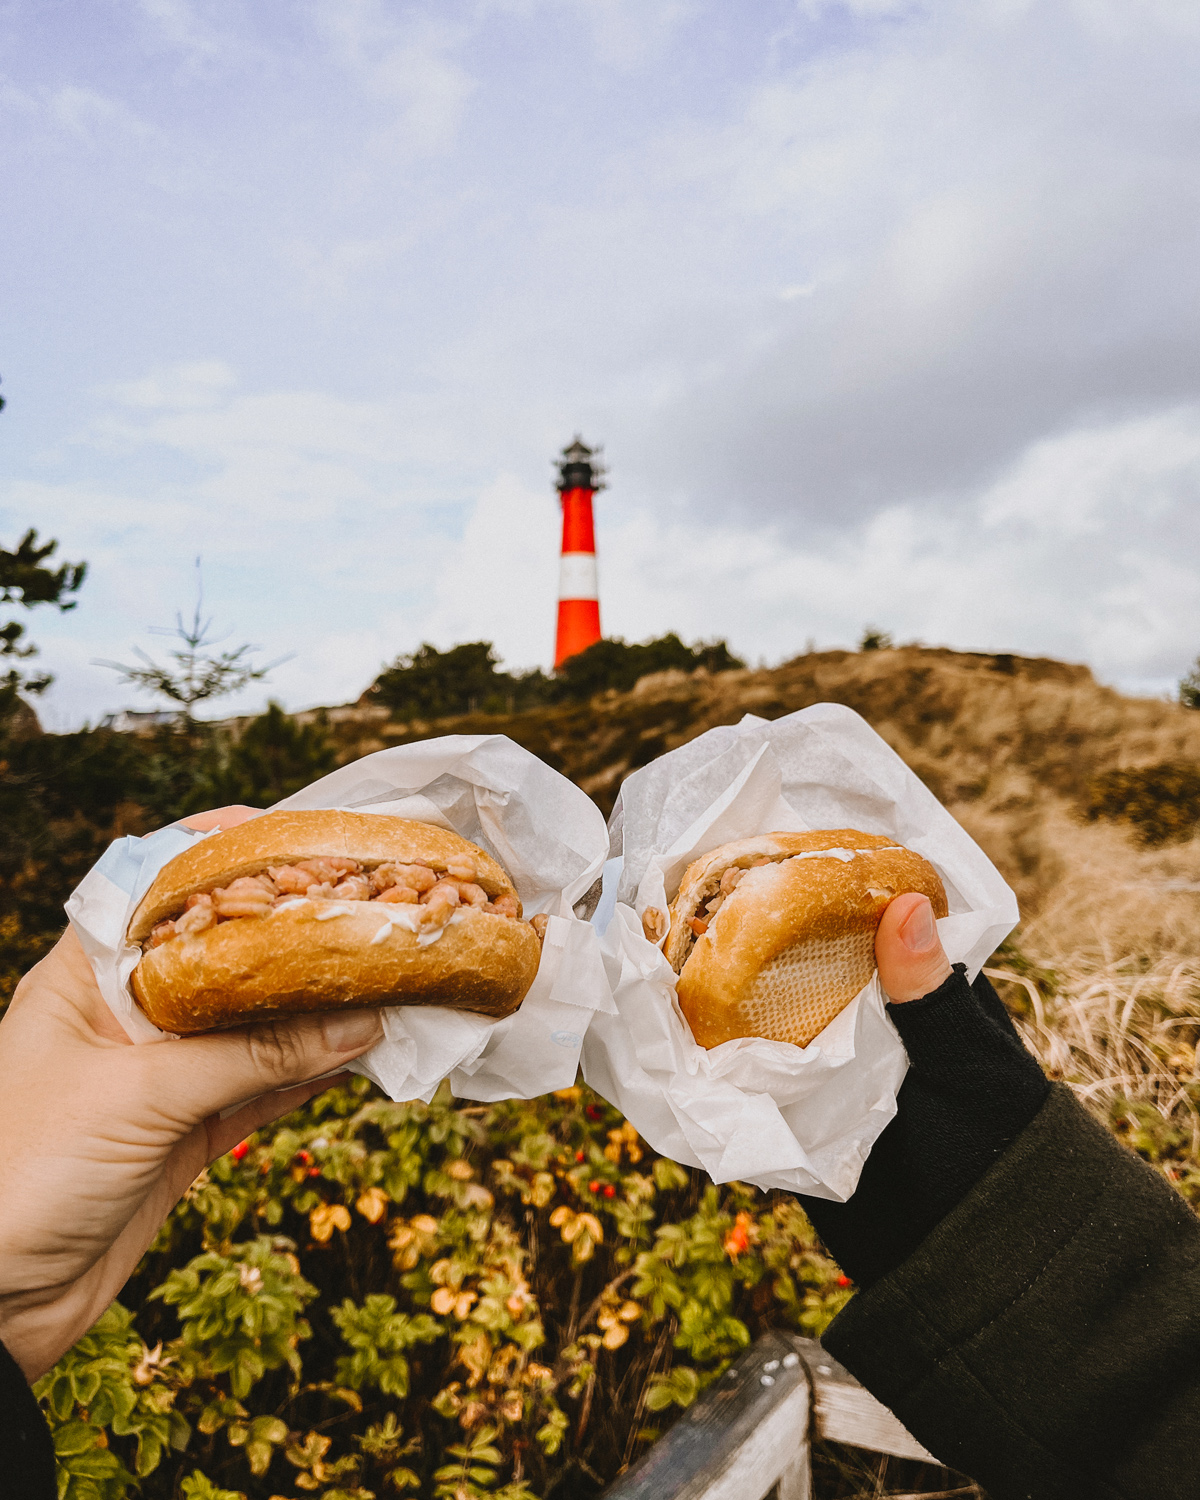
point(291, 963)
point(791, 999)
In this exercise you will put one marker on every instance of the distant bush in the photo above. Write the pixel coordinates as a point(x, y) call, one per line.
point(1189, 687)
point(614, 663)
point(1161, 802)
point(275, 755)
point(433, 684)
point(371, 1298)
point(874, 639)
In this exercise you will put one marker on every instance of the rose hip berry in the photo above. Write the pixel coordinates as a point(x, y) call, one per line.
point(610, 1191)
point(240, 1150)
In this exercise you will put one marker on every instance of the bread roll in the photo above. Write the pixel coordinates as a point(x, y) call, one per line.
point(773, 936)
point(325, 953)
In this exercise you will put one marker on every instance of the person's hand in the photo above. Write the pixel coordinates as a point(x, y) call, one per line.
point(908, 952)
point(102, 1138)
point(970, 1089)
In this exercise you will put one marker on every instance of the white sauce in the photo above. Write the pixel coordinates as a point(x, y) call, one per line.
point(407, 916)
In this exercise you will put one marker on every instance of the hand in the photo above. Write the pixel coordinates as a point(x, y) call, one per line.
point(102, 1138)
point(908, 952)
point(970, 1089)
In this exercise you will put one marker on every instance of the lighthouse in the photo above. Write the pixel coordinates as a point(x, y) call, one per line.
point(580, 475)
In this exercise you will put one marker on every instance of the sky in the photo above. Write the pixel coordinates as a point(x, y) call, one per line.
point(886, 313)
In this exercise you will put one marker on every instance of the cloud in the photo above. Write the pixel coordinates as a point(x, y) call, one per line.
point(628, 34)
point(199, 385)
point(886, 312)
point(92, 116)
point(183, 27)
point(996, 240)
point(406, 59)
point(1089, 480)
point(500, 581)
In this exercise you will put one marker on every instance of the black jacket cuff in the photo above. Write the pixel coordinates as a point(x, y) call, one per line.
point(970, 1090)
point(1045, 1337)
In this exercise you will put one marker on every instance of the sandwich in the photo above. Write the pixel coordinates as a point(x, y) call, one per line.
point(322, 910)
point(773, 936)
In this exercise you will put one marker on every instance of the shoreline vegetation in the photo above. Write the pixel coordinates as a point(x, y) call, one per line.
point(373, 1299)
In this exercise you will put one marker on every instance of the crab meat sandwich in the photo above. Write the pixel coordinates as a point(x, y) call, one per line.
point(773, 936)
point(324, 910)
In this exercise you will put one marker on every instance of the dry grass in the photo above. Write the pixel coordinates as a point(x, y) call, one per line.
point(1088, 890)
point(843, 1473)
point(1123, 1035)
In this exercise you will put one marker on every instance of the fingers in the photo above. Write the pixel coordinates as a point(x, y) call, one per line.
point(908, 951)
point(192, 1078)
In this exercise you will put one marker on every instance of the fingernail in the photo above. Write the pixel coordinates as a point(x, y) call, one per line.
point(351, 1030)
point(917, 933)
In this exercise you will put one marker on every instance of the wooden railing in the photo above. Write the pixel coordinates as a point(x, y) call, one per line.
point(748, 1435)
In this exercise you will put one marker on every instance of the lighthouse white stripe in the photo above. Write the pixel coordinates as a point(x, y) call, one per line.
point(577, 576)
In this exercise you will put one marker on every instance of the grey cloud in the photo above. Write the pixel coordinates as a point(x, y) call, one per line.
point(1058, 285)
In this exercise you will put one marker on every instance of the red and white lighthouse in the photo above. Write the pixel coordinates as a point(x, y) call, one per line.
point(580, 475)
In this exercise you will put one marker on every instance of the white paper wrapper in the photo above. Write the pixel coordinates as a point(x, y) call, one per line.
point(547, 834)
point(767, 1112)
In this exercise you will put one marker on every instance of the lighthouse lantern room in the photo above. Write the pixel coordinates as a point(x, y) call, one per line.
point(580, 475)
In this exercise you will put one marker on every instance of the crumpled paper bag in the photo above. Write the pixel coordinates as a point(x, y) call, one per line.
point(547, 834)
point(766, 1112)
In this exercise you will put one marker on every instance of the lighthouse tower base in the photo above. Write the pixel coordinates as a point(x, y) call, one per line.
point(578, 627)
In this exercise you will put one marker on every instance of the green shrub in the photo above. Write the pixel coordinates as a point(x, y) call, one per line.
point(616, 664)
point(1161, 802)
point(370, 1299)
point(275, 756)
point(432, 684)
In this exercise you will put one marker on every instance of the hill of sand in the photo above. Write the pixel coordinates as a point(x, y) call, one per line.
point(1012, 745)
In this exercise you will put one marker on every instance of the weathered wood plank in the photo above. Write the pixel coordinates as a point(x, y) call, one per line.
point(843, 1412)
point(748, 1433)
point(795, 1483)
point(740, 1437)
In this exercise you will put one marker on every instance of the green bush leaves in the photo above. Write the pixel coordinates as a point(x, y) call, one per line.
point(370, 1299)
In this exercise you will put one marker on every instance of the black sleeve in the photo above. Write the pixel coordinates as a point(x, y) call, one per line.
point(26, 1452)
point(1045, 1336)
point(970, 1090)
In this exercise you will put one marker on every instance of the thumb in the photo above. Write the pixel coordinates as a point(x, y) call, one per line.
point(908, 951)
point(198, 1076)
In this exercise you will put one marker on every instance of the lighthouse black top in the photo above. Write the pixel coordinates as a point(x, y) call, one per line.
point(579, 468)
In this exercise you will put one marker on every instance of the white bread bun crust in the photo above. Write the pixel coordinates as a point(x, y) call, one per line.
point(793, 943)
point(325, 955)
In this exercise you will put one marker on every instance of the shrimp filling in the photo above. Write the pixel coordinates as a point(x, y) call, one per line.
point(436, 895)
